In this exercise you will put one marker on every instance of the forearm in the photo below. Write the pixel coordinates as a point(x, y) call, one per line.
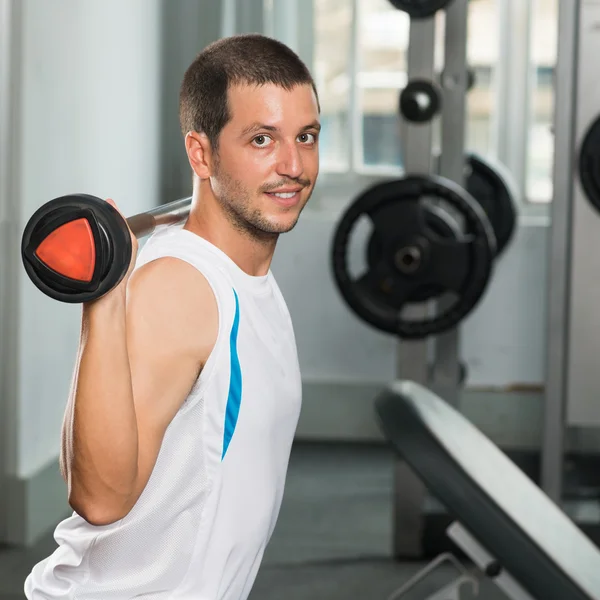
point(101, 444)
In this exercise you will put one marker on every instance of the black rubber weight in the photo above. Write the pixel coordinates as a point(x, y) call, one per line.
point(493, 188)
point(589, 164)
point(111, 238)
point(442, 225)
point(410, 107)
point(386, 316)
point(420, 9)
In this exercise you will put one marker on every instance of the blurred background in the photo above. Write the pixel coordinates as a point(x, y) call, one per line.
point(88, 94)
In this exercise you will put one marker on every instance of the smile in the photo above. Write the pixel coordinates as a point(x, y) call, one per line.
point(284, 194)
point(286, 199)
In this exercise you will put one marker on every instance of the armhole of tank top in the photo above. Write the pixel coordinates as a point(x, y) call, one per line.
point(224, 296)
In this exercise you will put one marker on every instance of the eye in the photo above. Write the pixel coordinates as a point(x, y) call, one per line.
point(262, 141)
point(307, 138)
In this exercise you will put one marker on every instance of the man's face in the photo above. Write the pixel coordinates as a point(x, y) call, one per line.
point(268, 157)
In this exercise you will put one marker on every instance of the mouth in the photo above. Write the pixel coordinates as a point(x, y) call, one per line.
point(286, 198)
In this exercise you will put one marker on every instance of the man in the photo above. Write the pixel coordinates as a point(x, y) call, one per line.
point(186, 392)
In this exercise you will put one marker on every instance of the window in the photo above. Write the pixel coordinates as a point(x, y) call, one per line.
point(382, 57)
point(540, 147)
point(482, 58)
point(360, 64)
point(331, 69)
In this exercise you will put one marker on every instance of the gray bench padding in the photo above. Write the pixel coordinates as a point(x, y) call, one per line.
point(491, 497)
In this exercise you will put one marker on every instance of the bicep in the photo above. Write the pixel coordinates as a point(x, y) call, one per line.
point(172, 324)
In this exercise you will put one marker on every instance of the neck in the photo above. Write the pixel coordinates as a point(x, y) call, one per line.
point(252, 251)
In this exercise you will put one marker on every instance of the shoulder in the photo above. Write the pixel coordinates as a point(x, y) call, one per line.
point(174, 303)
point(172, 280)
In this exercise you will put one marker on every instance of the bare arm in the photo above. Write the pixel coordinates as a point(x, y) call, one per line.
point(142, 347)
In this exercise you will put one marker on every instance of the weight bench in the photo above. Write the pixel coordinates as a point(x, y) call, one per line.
point(507, 526)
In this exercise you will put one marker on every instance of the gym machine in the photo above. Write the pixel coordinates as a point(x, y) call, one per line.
point(435, 235)
point(516, 537)
point(570, 443)
point(405, 297)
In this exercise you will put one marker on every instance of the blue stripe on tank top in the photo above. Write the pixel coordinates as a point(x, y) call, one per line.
point(234, 398)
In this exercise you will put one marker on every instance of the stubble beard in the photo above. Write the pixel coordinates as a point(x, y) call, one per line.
point(236, 202)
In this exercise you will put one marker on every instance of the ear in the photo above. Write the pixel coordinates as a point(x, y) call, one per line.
point(199, 153)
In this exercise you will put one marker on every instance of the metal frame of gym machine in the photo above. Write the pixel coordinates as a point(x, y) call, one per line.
point(572, 409)
point(414, 358)
point(10, 30)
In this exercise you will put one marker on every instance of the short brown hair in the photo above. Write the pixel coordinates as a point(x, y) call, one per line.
point(239, 59)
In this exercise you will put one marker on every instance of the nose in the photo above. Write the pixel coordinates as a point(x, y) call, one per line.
point(290, 161)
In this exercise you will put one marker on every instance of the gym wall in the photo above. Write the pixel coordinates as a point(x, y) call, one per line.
point(344, 362)
point(87, 121)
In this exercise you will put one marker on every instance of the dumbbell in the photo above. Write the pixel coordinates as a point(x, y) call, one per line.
point(77, 248)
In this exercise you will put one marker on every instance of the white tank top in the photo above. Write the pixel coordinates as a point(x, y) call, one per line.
point(199, 529)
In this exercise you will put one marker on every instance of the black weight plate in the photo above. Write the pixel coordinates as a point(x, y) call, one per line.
point(420, 101)
point(441, 224)
point(589, 164)
point(462, 266)
point(420, 9)
point(493, 188)
point(112, 243)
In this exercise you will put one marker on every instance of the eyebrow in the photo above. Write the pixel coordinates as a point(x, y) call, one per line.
point(258, 126)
